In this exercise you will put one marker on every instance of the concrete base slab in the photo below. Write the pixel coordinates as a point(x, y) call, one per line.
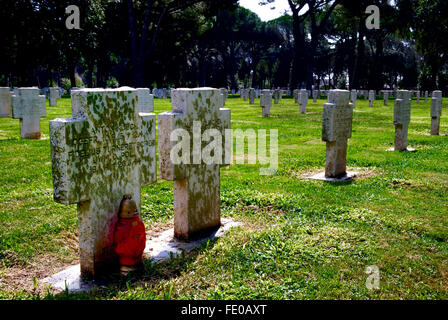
point(163, 246)
point(321, 176)
point(407, 150)
point(158, 249)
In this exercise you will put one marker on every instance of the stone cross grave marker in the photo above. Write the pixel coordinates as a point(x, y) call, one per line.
point(145, 100)
point(107, 150)
point(336, 130)
point(315, 93)
point(426, 96)
point(436, 111)
point(296, 95)
point(53, 95)
point(5, 102)
point(386, 97)
point(303, 100)
point(371, 97)
point(353, 96)
point(29, 107)
point(251, 96)
point(197, 176)
point(243, 94)
point(225, 95)
point(280, 97)
point(276, 96)
point(418, 96)
point(402, 117)
point(266, 102)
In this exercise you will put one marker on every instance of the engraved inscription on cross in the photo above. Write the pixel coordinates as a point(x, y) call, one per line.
point(105, 151)
point(402, 117)
point(336, 129)
point(29, 107)
point(196, 113)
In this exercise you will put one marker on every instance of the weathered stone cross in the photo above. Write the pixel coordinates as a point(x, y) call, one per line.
point(107, 150)
point(196, 175)
point(303, 100)
point(252, 96)
point(54, 95)
point(402, 117)
point(436, 112)
point(386, 97)
point(29, 107)
point(336, 129)
point(276, 96)
point(266, 102)
point(353, 97)
point(371, 97)
point(5, 102)
point(295, 94)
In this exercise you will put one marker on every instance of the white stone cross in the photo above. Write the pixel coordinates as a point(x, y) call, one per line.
point(225, 93)
point(107, 150)
point(252, 96)
point(5, 102)
point(315, 93)
point(436, 111)
point(303, 100)
point(196, 118)
point(386, 97)
point(266, 102)
point(336, 129)
point(418, 96)
point(353, 97)
point(402, 117)
point(276, 96)
point(29, 107)
point(426, 96)
point(371, 97)
point(296, 95)
point(145, 100)
point(53, 95)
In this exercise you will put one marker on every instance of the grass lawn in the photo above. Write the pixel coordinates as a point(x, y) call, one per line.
point(301, 239)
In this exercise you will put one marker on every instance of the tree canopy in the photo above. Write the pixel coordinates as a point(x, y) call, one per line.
point(174, 43)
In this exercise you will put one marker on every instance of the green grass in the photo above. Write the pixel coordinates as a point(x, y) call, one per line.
point(301, 239)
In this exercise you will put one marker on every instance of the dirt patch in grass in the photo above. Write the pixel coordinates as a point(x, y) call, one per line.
point(21, 277)
point(362, 173)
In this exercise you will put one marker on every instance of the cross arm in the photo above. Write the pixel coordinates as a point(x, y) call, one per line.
point(166, 125)
point(70, 177)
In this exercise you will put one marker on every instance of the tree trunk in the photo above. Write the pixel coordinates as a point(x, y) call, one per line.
point(359, 55)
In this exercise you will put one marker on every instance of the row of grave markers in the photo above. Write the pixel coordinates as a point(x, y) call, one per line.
point(107, 150)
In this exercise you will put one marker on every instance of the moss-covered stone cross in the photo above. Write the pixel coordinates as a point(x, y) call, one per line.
point(106, 150)
point(196, 182)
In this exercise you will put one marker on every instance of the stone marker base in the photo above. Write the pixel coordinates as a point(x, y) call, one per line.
point(159, 249)
point(407, 149)
point(321, 176)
